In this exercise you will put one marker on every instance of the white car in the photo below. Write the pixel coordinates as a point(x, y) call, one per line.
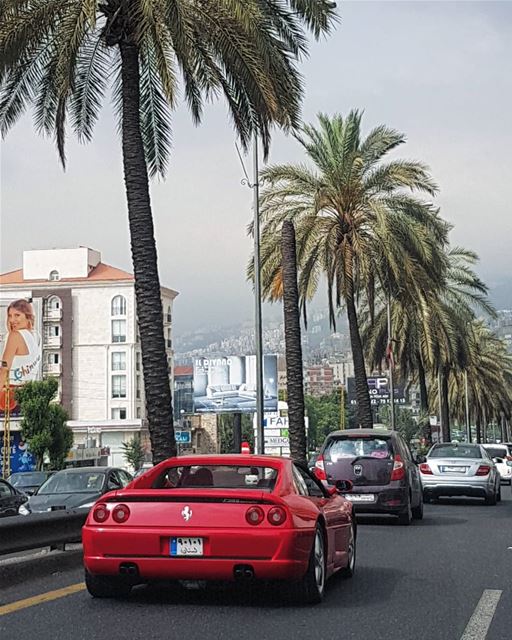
point(502, 459)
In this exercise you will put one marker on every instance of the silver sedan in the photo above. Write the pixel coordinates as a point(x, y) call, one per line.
point(459, 469)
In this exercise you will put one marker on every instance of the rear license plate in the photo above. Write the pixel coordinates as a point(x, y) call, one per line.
point(448, 469)
point(186, 547)
point(360, 497)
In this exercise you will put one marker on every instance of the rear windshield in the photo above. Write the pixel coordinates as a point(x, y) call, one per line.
point(27, 479)
point(217, 477)
point(455, 451)
point(497, 452)
point(351, 447)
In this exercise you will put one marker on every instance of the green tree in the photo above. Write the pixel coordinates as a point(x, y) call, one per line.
point(405, 423)
point(357, 224)
point(44, 422)
point(59, 57)
point(226, 428)
point(133, 452)
point(324, 416)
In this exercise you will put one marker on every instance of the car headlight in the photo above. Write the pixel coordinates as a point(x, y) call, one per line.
point(24, 510)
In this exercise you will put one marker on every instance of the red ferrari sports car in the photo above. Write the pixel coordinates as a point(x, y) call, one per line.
point(220, 517)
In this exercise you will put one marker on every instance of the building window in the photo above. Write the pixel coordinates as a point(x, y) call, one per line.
point(169, 339)
point(118, 307)
point(119, 386)
point(53, 358)
point(118, 414)
point(169, 314)
point(118, 330)
point(54, 275)
point(54, 331)
point(138, 363)
point(137, 386)
point(118, 361)
point(138, 412)
point(53, 303)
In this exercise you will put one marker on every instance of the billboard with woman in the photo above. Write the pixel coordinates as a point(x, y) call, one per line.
point(20, 348)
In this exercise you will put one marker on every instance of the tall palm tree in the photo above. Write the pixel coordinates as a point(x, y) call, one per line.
point(356, 220)
point(59, 56)
point(292, 334)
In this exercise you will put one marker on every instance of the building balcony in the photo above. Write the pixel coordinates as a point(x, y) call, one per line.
point(53, 369)
point(52, 342)
point(52, 314)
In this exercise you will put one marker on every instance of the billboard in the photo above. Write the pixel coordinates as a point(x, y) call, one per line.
point(276, 436)
point(378, 387)
point(20, 348)
point(228, 384)
point(21, 458)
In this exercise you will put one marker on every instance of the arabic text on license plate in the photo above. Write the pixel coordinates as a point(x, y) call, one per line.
point(360, 497)
point(454, 469)
point(186, 547)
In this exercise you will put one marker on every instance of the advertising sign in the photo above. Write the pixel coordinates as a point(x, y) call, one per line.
point(378, 386)
point(275, 429)
point(228, 384)
point(183, 437)
point(20, 348)
point(21, 458)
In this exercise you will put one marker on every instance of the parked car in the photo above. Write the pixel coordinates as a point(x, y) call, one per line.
point(29, 481)
point(220, 517)
point(460, 469)
point(11, 499)
point(500, 455)
point(75, 488)
point(381, 468)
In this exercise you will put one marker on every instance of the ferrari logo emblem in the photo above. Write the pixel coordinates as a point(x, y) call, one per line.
point(186, 513)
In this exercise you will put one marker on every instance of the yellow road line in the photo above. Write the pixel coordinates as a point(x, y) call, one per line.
point(43, 597)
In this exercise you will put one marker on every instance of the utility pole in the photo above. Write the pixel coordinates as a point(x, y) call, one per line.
point(257, 300)
point(468, 426)
point(439, 398)
point(342, 408)
point(390, 371)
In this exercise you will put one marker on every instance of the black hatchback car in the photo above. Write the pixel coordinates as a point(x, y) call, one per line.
point(11, 499)
point(381, 468)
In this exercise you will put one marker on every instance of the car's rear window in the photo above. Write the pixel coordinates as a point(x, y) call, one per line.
point(353, 447)
point(455, 451)
point(217, 477)
point(497, 452)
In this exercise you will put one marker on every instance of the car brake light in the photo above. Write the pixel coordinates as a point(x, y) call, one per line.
point(100, 513)
point(254, 515)
point(483, 470)
point(320, 468)
point(121, 513)
point(424, 468)
point(398, 472)
point(276, 515)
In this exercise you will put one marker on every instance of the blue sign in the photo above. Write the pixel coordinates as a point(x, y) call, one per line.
point(21, 458)
point(183, 437)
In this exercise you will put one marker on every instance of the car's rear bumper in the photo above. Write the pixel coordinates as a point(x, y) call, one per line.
point(386, 500)
point(451, 487)
point(287, 561)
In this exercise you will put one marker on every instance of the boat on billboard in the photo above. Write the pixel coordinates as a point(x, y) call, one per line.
point(20, 349)
point(227, 384)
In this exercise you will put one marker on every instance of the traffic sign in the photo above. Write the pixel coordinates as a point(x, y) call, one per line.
point(183, 437)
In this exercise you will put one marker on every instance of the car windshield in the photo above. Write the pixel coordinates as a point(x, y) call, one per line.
point(217, 477)
point(73, 482)
point(29, 479)
point(351, 447)
point(497, 452)
point(455, 451)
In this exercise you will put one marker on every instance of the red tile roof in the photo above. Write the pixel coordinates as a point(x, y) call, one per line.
point(183, 370)
point(101, 273)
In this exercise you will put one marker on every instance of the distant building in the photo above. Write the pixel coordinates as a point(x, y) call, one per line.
point(319, 380)
point(502, 327)
point(341, 371)
point(90, 344)
point(183, 391)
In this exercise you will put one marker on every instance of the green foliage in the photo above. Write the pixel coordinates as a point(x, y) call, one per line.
point(405, 423)
point(44, 422)
point(133, 452)
point(226, 425)
point(324, 414)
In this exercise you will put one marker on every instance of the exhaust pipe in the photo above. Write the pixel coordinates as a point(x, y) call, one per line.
point(129, 569)
point(243, 572)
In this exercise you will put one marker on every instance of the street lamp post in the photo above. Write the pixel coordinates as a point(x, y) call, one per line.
point(468, 426)
point(390, 371)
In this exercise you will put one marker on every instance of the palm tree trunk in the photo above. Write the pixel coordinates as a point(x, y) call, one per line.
point(426, 429)
point(293, 346)
point(445, 405)
point(237, 433)
point(478, 429)
point(364, 407)
point(147, 283)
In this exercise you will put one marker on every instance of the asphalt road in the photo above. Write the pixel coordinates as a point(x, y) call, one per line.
point(448, 577)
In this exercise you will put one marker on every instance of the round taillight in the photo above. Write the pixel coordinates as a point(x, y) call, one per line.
point(121, 513)
point(276, 515)
point(255, 515)
point(100, 513)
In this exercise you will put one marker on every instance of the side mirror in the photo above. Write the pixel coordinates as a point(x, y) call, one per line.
point(344, 486)
point(331, 490)
point(498, 460)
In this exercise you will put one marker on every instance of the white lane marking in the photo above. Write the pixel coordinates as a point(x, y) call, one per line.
point(480, 621)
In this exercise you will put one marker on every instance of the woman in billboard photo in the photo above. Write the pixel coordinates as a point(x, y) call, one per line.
point(21, 352)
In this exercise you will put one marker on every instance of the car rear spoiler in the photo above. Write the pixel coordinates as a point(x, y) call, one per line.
point(196, 494)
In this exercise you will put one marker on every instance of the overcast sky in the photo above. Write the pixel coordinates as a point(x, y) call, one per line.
point(438, 71)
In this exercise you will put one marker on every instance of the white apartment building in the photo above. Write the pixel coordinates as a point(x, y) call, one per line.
point(86, 315)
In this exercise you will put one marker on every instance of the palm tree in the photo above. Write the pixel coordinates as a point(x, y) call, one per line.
point(292, 334)
point(59, 56)
point(356, 222)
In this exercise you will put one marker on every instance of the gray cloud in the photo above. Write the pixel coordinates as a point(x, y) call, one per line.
point(438, 71)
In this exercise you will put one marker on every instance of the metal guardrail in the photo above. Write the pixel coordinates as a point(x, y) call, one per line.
point(21, 533)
